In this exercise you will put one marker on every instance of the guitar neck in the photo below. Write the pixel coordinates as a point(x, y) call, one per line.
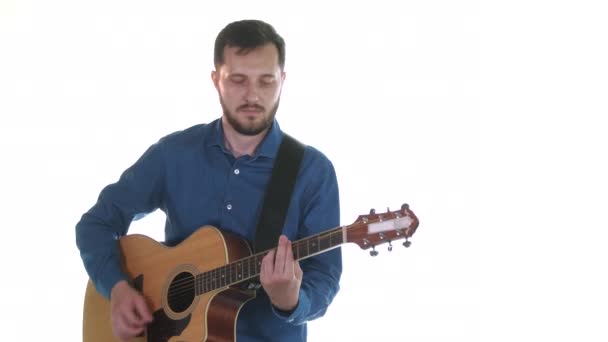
point(368, 231)
point(249, 267)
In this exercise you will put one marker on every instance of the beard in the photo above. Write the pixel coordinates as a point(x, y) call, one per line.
point(250, 127)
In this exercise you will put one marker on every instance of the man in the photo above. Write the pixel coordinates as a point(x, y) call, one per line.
point(216, 174)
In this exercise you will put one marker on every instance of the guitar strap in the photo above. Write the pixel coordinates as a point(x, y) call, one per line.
point(278, 194)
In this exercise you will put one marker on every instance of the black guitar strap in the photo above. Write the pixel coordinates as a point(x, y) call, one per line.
point(278, 194)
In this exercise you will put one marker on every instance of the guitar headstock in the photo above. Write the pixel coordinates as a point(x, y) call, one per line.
point(374, 229)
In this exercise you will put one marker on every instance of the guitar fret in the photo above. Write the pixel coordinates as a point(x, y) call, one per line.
point(258, 264)
point(324, 243)
point(245, 270)
point(211, 280)
point(196, 285)
point(249, 267)
point(235, 272)
point(307, 247)
point(213, 284)
point(208, 282)
point(224, 276)
point(231, 273)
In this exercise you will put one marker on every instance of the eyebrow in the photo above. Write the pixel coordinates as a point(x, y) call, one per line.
point(243, 75)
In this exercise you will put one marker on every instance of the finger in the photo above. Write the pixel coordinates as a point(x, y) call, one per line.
point(123, 318)
point(289, 253)
point(267, 265)
point(123, 330)
point(142, 310)
point(128, 315)
point(279, 262)
point(136, 312)
point(289, 260)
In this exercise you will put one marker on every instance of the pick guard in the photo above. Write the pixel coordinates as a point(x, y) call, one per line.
point(163, 328)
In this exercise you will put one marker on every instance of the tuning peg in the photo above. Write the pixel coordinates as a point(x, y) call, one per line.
point(407, 243)
point(373, 252)
point(390, 246)
point(405, 206)
point(372, 211)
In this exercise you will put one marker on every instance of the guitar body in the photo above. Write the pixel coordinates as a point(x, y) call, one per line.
point(158, 272)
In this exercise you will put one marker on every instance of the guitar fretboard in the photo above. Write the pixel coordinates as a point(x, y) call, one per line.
point(249, 267)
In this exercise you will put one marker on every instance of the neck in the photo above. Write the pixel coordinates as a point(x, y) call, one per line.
point(240, 144)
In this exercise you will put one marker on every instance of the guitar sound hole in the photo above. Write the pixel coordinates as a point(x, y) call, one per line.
point(181, 292)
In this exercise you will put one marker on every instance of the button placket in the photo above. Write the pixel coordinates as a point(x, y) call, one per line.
point(236, 171)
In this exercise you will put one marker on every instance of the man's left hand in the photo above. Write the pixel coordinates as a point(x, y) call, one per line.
point(281, 276)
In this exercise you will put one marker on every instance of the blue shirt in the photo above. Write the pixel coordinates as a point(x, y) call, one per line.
point(196, 181)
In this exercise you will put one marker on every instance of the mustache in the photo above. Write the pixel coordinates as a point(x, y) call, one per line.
point(251, 106)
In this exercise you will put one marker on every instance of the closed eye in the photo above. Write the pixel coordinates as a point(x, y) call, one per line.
point(267, 80)
point(238, 79)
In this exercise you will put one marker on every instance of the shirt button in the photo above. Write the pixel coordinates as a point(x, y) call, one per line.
point(229, 207)
point(236, 171)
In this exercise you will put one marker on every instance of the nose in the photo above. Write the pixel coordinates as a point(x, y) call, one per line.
point(251, 96)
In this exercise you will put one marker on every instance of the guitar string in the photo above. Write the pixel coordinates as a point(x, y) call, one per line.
point(185, 286)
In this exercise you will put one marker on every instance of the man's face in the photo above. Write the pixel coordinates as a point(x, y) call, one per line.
point(249, 87)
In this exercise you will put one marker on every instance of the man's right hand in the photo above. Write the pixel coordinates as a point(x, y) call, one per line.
point(129, 310)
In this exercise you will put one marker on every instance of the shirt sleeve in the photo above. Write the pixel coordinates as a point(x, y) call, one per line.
point(138, 191)
point(320, 282)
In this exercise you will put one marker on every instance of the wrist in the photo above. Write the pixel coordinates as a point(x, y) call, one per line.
point(286, 310)
point(119, 287)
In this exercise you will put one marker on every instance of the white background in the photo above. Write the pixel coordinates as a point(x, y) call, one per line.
point(486, 117)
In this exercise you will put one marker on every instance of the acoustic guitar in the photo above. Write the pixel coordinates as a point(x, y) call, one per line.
point(196, 289)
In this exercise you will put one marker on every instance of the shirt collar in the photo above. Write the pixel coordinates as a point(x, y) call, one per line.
point(269, 146)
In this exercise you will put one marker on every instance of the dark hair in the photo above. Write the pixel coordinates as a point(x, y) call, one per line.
point(247, 35)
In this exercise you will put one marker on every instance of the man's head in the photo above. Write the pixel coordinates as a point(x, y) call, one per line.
point(249, 59)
